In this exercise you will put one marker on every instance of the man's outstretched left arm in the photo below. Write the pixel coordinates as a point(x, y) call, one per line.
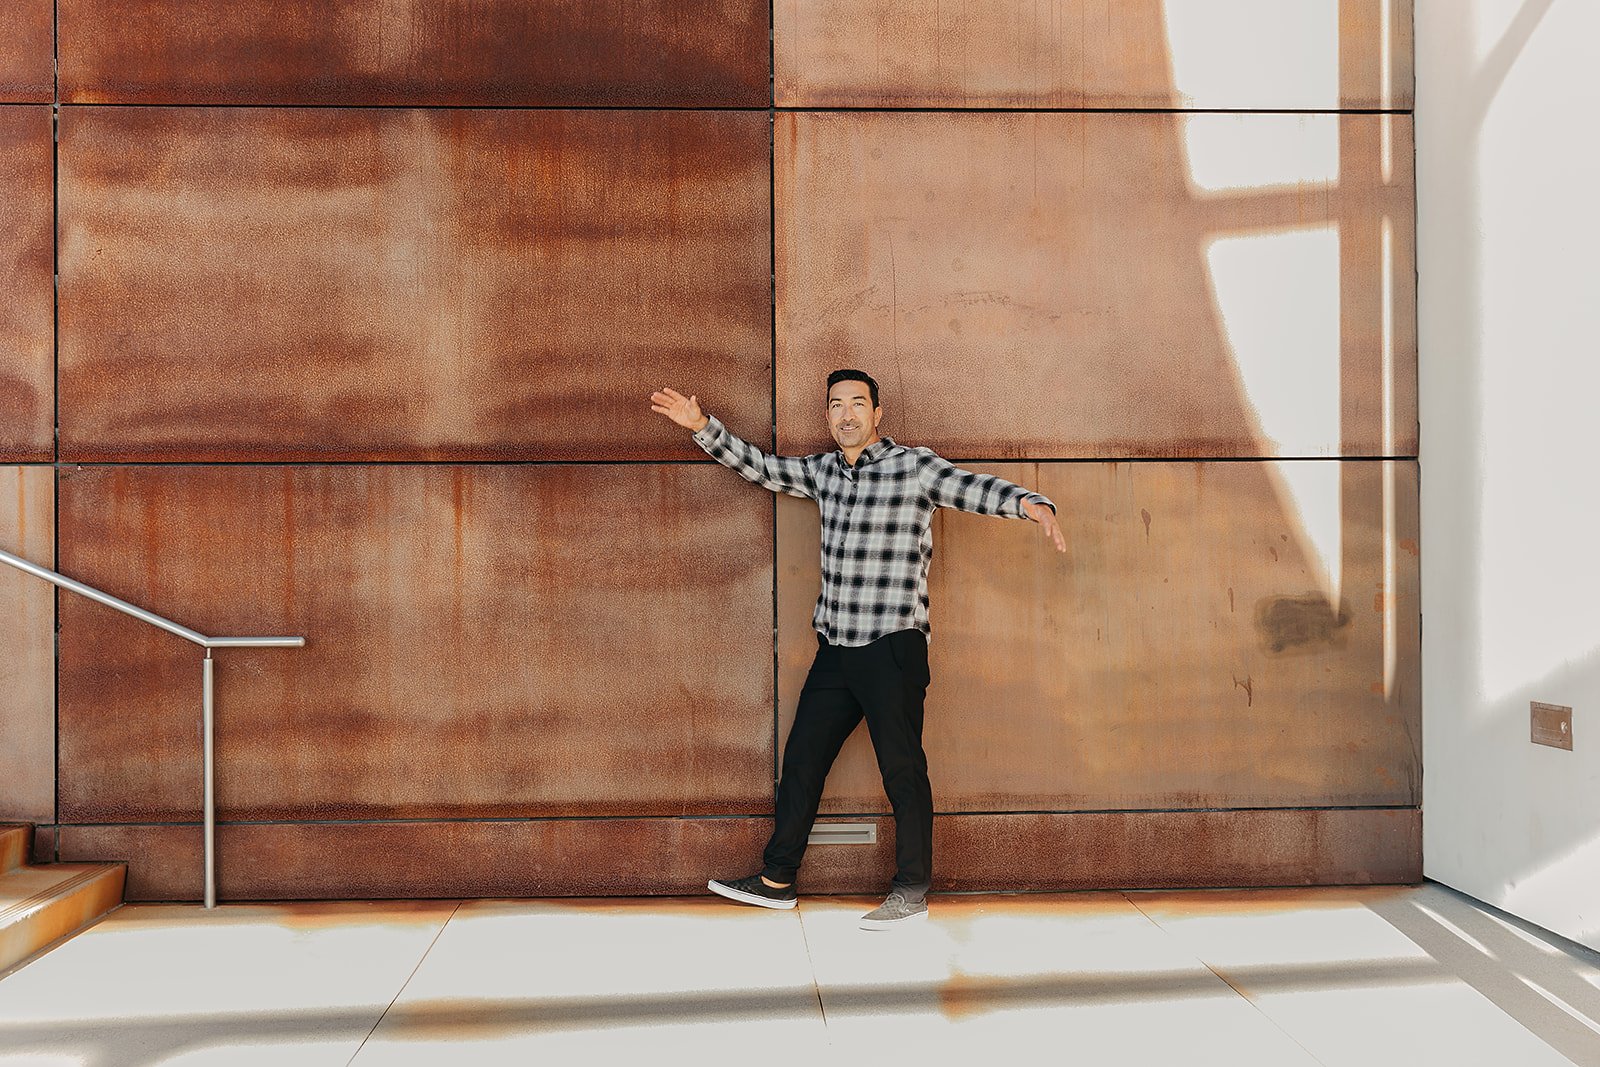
point(948, 486)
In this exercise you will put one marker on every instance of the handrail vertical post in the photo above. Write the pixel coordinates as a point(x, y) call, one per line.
point(207, 711)
point(208, 719)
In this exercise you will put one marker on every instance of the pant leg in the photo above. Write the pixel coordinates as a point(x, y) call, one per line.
point(891, 682)
point(823, 721)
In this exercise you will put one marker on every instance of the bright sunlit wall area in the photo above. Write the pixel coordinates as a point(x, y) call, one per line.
point(1508, 321)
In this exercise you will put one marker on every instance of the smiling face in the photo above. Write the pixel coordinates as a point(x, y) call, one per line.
point(852, 419)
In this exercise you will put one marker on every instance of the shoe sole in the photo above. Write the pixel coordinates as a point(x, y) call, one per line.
point(748, 898)
point(889, 924)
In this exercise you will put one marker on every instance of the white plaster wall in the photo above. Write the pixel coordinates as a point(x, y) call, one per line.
point(1508, 204)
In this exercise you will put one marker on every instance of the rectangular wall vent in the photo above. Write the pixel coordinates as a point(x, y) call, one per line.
point(844, 833)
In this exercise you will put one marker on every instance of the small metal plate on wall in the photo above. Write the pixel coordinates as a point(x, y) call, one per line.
point(1552, 725)
point(843, 833)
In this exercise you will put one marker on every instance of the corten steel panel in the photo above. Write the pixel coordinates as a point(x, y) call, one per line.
point(321, 861)
point(684, 53)
point(379, 284)
point(628, 857)
point(27, 648)
point(1140, 850)
point(1185, 652)
point(1237, 54)
point(27, 268)
point(481, 641)
point(1050, 285)
point(27, 51)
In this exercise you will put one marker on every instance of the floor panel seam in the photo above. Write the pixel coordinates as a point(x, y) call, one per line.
point(811, 965)
point(399, 992)
point(1313, 1057)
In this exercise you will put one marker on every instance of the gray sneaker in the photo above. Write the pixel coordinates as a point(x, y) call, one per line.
point(896, 910)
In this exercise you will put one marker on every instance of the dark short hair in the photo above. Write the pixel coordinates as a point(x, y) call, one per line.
point(854, 376)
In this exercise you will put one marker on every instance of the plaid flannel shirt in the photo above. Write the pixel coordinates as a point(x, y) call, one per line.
point(877, 523)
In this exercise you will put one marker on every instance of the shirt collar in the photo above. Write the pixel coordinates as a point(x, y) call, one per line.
point(869, 455)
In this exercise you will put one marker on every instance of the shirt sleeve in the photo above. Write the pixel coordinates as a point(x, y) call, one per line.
point(948, 486)
point(781, 474)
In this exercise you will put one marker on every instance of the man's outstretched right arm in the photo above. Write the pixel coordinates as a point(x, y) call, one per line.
point(781, 474)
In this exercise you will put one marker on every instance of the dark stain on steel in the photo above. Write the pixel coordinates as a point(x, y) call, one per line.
point(497, 285)
point(576, 53)
point(1301, 623)
point(27, 52)
point(27, 349)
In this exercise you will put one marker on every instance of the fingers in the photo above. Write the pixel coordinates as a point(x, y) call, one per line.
point(1052, 530)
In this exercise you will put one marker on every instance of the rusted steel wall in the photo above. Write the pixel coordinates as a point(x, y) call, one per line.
point(1233, 54)
point(27, 65)
point(574, 857)
point(1060, 285)
point(569, 53)
point(1192, 650)
point(359, 307)
point(484, 641)
point(27, 652)
point(27, 359)
point(407, 284)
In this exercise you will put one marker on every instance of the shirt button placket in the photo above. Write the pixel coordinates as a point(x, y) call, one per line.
point(844, 539)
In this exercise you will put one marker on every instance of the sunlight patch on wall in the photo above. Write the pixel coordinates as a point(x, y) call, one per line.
point(1309, 491)
point(1277, 296)
point(1233, 152)
point(1222, 53)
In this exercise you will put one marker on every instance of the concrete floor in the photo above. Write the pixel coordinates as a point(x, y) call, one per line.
point(1338, 976)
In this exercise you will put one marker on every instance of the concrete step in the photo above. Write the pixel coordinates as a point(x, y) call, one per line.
point(40, 906)
point(15, 841)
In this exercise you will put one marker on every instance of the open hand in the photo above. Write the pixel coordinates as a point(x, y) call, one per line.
point(683, 410)
point(1046, 518)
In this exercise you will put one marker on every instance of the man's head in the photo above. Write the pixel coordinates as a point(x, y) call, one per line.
point(853, 411)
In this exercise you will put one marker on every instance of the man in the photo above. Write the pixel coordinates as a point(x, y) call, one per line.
point(877, 500)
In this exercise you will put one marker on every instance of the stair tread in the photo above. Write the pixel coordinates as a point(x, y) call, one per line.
point(26, 888)
point(42, 906)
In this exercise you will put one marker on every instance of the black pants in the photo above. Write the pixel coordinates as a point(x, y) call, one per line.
point(885, 680)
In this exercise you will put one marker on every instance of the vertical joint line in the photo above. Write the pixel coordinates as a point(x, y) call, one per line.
point(55, 405)
point(772, 362)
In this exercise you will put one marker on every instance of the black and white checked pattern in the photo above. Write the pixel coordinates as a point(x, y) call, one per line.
point(877, 523)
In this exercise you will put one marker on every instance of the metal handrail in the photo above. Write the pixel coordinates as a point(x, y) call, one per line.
point(207, 710)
